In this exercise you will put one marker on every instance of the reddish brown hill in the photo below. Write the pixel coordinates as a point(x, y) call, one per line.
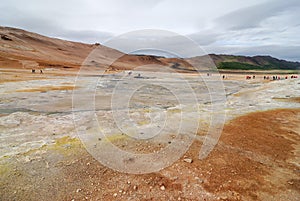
point(23, 49)
point(28, 50)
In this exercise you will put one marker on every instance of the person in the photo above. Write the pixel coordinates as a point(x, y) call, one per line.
point(223, 76)
point(33, 70)
point(41, 71)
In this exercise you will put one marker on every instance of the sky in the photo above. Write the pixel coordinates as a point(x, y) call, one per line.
point(248, 27)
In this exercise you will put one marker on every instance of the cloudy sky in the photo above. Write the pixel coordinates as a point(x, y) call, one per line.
point(248, 27)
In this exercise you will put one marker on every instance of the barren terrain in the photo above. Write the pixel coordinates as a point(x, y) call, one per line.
point(256, 158)
point(49, 142)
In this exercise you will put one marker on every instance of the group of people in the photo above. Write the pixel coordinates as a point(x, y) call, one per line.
point(249, 77)
point(275, 77)
point(33, 71)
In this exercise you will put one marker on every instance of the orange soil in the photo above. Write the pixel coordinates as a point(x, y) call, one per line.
point(48, 88)
point(254, 160)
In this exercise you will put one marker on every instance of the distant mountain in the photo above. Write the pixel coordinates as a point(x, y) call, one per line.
point(26, 50)
point(253, 63)
point(23, 49)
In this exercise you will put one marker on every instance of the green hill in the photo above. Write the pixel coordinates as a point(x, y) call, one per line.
point(253, 63)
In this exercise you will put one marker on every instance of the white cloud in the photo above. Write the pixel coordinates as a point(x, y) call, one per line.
point(217, 25)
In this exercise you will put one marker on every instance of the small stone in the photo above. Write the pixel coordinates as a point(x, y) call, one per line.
point(27, 159)
point(78, 190)
point(115, 194)
point(174, 178)
point(162, 188)
point(223, 198)
point(188, 160)
point(120, 191)
point(134, 187)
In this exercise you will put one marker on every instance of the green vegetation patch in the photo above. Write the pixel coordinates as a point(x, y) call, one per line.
point(273, 65)
point(239, 66)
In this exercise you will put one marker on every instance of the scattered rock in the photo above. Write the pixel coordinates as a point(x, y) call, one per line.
point(78, 190)
point(223, 198)
point(162, 188)
point(115, 194)
point(47, 164)
point(188, 160)
point(5, 37)
point(199, 179)
point(27, 159)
